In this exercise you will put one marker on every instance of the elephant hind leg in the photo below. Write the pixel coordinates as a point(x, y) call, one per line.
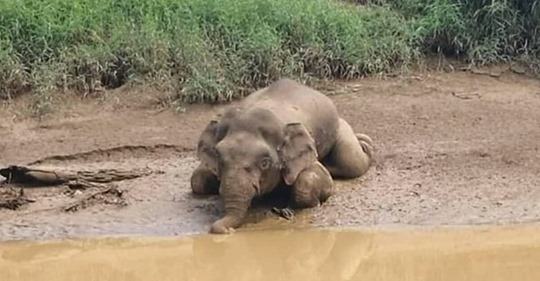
point(313, 187)
point(203, 181)
point(352, 154)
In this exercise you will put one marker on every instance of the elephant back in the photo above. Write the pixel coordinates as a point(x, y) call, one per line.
point(292, 102)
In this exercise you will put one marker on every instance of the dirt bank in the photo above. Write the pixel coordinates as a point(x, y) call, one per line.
point(453, 148)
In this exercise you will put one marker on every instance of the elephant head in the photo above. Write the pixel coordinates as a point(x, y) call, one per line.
point(251, 153)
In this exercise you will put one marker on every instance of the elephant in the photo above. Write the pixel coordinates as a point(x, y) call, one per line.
point(285, 134)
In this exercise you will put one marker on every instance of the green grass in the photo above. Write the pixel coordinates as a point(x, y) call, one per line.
point(483, 31)
point(218, 50)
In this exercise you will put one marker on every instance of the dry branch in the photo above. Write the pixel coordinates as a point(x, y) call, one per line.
point(109, 195)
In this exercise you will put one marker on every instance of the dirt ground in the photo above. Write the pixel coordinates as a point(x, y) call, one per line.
point(452, 149)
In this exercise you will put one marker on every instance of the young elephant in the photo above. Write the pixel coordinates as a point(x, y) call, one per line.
point(284, 133)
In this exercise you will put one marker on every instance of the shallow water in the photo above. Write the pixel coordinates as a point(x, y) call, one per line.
point(465, 254)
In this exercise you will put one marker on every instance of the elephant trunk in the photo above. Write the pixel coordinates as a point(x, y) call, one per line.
point(237, 201)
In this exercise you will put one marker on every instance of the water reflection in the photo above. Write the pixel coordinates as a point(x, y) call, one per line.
point(480, 254)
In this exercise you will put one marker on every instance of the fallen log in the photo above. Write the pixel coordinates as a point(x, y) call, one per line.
point(35, 177)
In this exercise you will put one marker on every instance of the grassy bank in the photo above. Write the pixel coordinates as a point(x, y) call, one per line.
point(216, 50)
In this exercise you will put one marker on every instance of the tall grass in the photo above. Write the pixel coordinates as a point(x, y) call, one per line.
point(218, 50)
point(205, 51)
point(482, 31)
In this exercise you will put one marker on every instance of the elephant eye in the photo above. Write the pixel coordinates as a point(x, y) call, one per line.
point(266, 163)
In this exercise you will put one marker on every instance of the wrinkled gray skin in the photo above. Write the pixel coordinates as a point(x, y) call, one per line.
point(286, 133)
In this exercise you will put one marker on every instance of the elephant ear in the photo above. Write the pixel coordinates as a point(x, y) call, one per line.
point(214, 132)
point(297, 152)
point(206, 148)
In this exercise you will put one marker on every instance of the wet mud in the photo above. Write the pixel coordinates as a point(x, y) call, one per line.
point(315, 254)
point(452, 149)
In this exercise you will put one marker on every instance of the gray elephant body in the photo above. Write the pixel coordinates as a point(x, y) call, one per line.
point(284, 133)
point(291, 102)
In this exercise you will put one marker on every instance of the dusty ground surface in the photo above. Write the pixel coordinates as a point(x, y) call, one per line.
point(452, 149)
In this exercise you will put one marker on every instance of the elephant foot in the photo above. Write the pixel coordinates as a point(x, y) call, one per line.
point(286, 213)
point(366, 143)
point(204, 182)
point(364, 138)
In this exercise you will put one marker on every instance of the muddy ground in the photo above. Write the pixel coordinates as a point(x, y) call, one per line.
point(452, 149)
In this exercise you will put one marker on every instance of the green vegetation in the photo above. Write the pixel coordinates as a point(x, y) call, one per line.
point(217, 50)
point(484, 31)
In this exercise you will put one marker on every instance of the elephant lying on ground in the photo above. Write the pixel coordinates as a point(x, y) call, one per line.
point(285, 133)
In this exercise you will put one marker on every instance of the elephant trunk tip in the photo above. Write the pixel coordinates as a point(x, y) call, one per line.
point(226, 225)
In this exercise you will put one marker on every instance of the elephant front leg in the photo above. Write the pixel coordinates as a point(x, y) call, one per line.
point(204, 182)
point(312, 188)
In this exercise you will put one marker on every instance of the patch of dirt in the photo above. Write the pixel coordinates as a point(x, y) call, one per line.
point(13, 199)
point(451, 149)
point(107, 195)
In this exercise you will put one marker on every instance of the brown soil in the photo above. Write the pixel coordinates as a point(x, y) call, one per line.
point(452, 149)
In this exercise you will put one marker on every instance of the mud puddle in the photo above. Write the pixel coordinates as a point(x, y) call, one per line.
point(324, 254)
